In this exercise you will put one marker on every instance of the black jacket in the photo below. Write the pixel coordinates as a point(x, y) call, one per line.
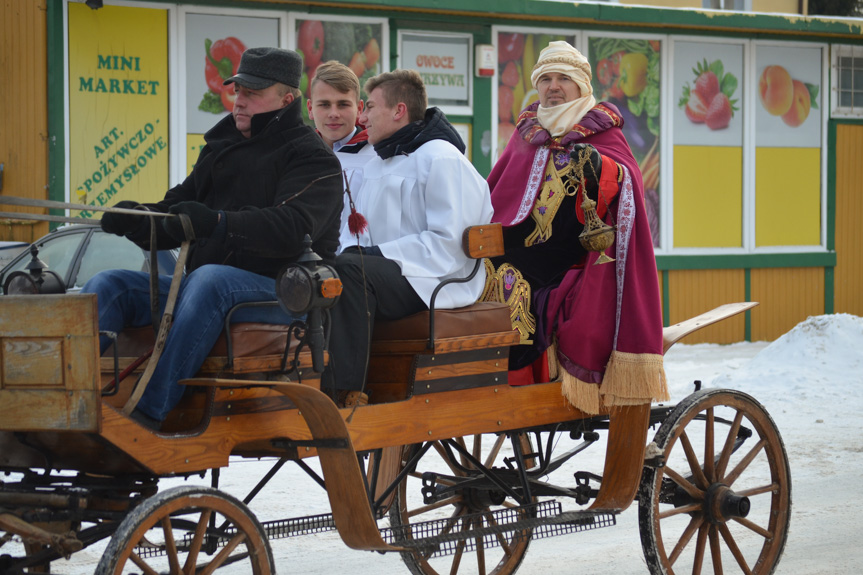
point(434, 126)
point(258, 183)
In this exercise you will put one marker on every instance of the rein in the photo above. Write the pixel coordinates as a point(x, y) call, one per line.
point(161, 325)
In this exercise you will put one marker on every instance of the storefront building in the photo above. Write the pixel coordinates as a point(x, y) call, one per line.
point(748, 126)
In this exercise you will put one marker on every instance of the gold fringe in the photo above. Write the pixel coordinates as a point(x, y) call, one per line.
point(633, 378)
point(580, 394)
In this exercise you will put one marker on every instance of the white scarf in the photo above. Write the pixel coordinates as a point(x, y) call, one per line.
point(559, 120)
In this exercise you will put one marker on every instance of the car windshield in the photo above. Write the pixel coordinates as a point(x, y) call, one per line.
point(57, 252)
point(106, 251)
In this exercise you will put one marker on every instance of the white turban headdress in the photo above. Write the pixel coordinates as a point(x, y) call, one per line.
point(562, 58)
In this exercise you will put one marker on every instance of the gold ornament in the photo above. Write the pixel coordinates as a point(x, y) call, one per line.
point(597, 236)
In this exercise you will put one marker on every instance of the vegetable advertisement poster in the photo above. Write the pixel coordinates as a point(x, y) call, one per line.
point(626, 72)
point(214, 45)
point(516, 55)
point(355, 44)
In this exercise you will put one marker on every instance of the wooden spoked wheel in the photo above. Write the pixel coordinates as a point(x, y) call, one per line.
point(716, 494)
point(188, 530)
point(504, 556)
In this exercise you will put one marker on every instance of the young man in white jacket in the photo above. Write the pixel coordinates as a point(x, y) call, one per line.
point(419, 193)
point(334, 105)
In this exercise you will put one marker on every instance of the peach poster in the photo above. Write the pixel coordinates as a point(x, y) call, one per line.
point(788, 84)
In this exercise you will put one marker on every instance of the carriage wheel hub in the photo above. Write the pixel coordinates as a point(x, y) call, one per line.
point(479, 499)
point(722, 504)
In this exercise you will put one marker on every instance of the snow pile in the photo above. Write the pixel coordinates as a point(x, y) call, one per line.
point(819, 349)
point(820, 357)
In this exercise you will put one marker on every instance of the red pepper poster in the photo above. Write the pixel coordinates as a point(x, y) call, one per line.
point(214, 45)
point(118, 104)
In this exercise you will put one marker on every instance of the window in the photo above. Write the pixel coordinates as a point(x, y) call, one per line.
point(735, 5)
point(847, 80)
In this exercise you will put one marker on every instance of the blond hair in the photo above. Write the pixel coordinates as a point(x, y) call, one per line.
point(337, 76)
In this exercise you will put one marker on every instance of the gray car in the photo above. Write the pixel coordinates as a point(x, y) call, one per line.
point(77, 252)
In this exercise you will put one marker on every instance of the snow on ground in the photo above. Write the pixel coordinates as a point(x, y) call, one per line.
point(810, 380)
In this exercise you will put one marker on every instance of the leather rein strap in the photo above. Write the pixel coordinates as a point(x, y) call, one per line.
point(161, 326)
point(167, 317)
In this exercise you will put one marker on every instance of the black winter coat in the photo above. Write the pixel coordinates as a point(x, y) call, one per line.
point(258, 183)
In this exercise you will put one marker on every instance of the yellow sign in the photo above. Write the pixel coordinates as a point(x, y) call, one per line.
point(118, 104)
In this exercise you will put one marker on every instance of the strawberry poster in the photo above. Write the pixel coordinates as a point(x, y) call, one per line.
point(214, 45)
point(626, 72)
point(708, 90)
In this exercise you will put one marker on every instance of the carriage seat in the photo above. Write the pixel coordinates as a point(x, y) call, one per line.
point(445, 349)
point(255, 348)
point(477, 319)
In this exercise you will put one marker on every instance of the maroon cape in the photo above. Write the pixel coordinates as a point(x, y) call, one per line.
point(607, 318)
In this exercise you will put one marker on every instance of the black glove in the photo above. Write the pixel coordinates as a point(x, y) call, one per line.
point(202, 218)
point(121, 224)
point(591, 176)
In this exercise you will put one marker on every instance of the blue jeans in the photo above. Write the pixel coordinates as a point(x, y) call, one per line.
point(205, 297)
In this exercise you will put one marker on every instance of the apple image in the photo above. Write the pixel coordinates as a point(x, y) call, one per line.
point(776, 90)
point(800, 105)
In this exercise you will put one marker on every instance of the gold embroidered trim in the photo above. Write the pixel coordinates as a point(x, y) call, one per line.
point(505, 279)
point(556, 185)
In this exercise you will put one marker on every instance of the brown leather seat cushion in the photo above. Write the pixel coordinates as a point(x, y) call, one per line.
point(254, 339)
point(248, 339)
point(477, 319)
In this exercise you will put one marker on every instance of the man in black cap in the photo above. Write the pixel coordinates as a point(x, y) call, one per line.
point(262, 182)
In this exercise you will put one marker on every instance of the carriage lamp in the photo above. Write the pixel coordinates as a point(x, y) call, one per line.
point(309, 286)
point(36, 280)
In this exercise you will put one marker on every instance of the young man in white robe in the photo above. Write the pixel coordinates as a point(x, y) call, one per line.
point(334, 105)
point(419, 193)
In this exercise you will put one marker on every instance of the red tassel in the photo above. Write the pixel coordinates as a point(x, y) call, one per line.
point(357, 222)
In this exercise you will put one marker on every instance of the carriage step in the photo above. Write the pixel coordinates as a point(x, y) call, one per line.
point(299, 526)
point(442, 537)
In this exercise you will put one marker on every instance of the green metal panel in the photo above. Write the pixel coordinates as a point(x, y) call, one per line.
point(747, 296)
point(747, 261)
point(530, 12)
point(666, 299)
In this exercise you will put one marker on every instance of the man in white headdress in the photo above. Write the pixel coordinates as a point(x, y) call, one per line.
point(605, 320)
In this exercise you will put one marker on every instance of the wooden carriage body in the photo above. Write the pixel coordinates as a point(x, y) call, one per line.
point(427, 384)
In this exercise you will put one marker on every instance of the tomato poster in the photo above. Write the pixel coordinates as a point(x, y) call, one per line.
point(626, 72)
point(118, 105)
point(356, 44)
point(517, 53)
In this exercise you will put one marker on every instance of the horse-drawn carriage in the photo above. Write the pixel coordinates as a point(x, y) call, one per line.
point(447, 465)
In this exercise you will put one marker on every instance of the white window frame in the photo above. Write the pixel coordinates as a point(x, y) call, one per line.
point(449, 109)
point(836, 110)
